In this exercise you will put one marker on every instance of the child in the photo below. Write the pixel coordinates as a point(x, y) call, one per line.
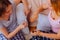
point(40, 10)
point(54, 21)
point(21, 17)
point(9, 29)
point(39, 14)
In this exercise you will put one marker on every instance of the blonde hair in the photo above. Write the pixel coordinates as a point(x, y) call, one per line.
point(55, 5)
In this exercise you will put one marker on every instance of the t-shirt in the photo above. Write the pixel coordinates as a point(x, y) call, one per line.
point(43, 23)
point(21, 16)
point(55, 23)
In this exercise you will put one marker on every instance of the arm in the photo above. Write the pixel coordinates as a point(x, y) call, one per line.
point(35, 14)
point(12, 34)
point(16, 1)
point(26, 6)
point(48, 35)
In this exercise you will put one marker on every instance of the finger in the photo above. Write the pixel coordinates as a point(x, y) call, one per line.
point(33, 34)
point(35, 30)
point(24, 23)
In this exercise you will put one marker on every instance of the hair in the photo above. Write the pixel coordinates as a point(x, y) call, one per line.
point(3, 5)
point(55, 5)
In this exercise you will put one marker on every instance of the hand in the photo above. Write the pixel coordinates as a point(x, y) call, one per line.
point(35, 33)
point(25, 23)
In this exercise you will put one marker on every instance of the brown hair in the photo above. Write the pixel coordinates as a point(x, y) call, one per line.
point(3, 5)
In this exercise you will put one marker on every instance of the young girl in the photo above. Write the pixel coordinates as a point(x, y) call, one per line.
point(38, 13)
point(9, 29)
point(54, 18)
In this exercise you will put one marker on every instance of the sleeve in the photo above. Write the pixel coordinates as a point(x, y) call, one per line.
point(29, 3)
point(20, 13)
point(1, 26)
point(11, 1)
point(2, 37)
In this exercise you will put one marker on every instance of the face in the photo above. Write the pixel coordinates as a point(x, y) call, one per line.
point(8, 12)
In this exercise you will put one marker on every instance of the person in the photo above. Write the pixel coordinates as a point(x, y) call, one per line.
point(9, 28)
point(54, 20)
point(38, 13)
point(21, 17)
point(38, 16)
point(25, 3)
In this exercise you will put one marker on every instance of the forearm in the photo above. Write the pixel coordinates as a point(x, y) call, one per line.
point(35, 14)
point(12, 34)
point(26, 6)
point(16, 2)
point(49, 35)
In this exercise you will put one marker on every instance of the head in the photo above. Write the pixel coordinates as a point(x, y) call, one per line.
point(5, 8)
point(56, 5)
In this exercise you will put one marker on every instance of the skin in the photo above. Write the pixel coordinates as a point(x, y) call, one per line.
point(6, 16)
point(26, 8)
point(48, 35)
point(35, 14)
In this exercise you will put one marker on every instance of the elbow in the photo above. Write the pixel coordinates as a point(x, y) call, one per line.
point(9, 37)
